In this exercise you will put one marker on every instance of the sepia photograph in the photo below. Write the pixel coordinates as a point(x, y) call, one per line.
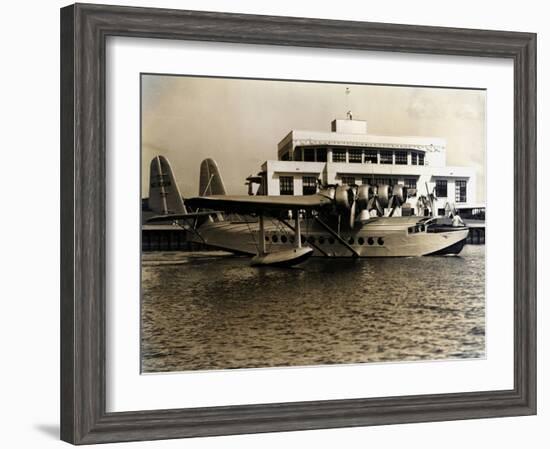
point(294, 223)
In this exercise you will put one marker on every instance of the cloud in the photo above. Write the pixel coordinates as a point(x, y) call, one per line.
point(423, 107)
point(468, 111)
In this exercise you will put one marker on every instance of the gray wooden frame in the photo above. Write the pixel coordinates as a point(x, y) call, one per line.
point(84, 29)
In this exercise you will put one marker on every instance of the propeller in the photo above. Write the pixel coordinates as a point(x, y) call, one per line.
point(398, 197)
point(345, 199)
point(380, 198)
point(353, 200)
point(374, 204)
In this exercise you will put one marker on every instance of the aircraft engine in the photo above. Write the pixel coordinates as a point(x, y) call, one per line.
point(331, 191)
point(343, 199)
point(364, 193)
point(399, 192)
point(398, 197)
point(383, 194)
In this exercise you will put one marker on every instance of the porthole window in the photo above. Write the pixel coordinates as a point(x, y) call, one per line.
point(331, 240)
point(267, 238)
point(311, 239)
point(283, 238)
point(351, 241)
point(321, 240)
point(370, 241)
point(274, 238)
point(380, 241)
point(361, 240)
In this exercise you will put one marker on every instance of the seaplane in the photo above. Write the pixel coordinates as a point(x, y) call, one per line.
point(286, 230)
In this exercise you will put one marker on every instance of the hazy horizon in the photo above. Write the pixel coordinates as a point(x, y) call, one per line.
point(239, 122)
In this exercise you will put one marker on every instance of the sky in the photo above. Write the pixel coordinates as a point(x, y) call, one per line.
point(239, 122)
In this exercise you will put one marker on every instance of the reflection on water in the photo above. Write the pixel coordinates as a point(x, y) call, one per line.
point(213, 311)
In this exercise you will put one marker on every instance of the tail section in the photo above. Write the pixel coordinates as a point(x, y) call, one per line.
point(210, 182)
point(164, 195)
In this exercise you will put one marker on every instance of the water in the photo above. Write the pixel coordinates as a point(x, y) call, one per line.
point(213, 311)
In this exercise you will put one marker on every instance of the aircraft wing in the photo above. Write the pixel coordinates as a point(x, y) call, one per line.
point(173, 217)
point(258, 203)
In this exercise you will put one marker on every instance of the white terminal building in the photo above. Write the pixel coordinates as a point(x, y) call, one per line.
point(348, 154)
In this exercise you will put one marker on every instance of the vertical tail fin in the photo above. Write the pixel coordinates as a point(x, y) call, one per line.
point(164, 195)
point(210, 182)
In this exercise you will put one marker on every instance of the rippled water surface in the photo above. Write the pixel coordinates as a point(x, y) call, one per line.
point(204, 311)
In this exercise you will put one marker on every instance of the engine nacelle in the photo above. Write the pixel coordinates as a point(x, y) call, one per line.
point(364, 194)
point(384, 193)
point(400, 193)
point(344, 198)
point(329, 192)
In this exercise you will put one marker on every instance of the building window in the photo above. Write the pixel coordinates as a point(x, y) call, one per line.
point(309, 154)
point(371, 156)
point(321, 154)
point(338, 155)
point(285, 157)
point(386, 157)
point(420, 158)
point(414, 158)
point(378, 181)
point(401, 157)
point(460, 191)
point(355, 156)
point(309, 185)
point(441, 188)
point(383, 181)
point(286, 185)
point(349, 180)
point(410, 183)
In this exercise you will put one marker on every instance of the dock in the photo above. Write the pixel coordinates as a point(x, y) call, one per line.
point(174, 238)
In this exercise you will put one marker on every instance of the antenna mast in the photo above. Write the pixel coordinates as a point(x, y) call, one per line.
point(349, 113)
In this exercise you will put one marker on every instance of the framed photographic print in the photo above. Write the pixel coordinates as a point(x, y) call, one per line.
point(275, 223)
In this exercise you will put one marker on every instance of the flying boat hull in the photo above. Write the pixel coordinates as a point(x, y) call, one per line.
point(378, 237)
